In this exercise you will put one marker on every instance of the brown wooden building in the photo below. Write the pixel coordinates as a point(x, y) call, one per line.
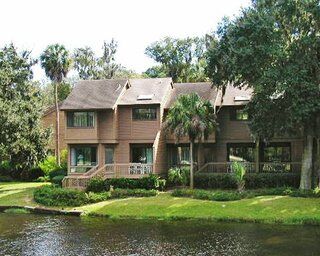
point(112, 128)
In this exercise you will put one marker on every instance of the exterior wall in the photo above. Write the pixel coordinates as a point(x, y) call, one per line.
point(82, 135)
point(49, 121)
point(239, 132)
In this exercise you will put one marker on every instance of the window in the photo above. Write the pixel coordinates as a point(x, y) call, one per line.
point(239, 114)
point(109, 154)
point(144, 114)
point(180, 155)
point(277, 152)
point(83, 158)
point(80, 119)
point(244, 152)
point(142, 154)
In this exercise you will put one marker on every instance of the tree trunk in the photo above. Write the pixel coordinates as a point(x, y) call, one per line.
point(57, 153)
point(191, 163)
point(318, 161)
point(306, 168)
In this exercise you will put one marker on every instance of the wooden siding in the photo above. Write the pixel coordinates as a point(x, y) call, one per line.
point(90, 134)
point(49, 121)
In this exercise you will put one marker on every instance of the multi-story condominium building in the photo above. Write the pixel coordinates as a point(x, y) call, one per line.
point(113, 129)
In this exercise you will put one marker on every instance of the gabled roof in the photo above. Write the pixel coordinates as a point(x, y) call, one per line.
point(204, 90)
point(145, 91)
point(94, 94)
point(234, 96)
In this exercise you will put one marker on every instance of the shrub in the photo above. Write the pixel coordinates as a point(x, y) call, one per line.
point(5, 179)
point(48, 165)
point(123, 193)
point(96, 185)
point(150, 182)
point(98, 197)
point(31, 174)
point(178, 176)
point(272, 180)
point(239, 171)
point(252, 180)
point(215, 181)
point(43, 179)
point(54, 196)
point(57, 180)
point(5, 168)
point(57, 172)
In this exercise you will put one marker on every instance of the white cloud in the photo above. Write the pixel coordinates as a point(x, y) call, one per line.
point(34, 24)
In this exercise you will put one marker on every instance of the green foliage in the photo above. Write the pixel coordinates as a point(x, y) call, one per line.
point(123, 193)
point(96, 185)
point(207, 194)
point(239, 171)
point(89, 66)
point(57, 180)
point(22, 138)
point(98, 197)
point(55, 196)
point(5, 178)
point(56, 62)
point(282, 70)
point(181, 59)
point(150, 182)
point(192, 117)
point(43, 179)
point(31, 174)
point(48, 165)
point(178, 176)
point(252, 180)
point(57, 172)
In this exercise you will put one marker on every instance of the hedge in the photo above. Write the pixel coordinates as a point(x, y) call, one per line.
point(252, 180)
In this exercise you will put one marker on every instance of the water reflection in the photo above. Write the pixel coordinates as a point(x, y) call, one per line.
point(60, 235)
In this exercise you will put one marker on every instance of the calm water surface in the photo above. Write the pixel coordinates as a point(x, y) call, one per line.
point(26, 234)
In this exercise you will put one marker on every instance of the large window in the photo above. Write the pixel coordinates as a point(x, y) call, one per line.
point(83, 158)
point(277, 152)
point(179, 155)
point(144, 113)
point(80, 119)
point(142, 154)
point(239, 114)
point(244, 152)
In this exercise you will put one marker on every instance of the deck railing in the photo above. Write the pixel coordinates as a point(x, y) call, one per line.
point(130, 170)
point(264, 167)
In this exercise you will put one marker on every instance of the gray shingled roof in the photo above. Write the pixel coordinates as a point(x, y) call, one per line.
point(155, 87)
point(204, 90)
point(230, 94)
point(94, 94)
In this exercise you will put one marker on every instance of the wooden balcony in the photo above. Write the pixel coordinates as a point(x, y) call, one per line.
point(130, 170)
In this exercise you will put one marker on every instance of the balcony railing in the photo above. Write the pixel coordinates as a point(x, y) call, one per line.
point(128, 170)
point(264, 167)
point(81, 169)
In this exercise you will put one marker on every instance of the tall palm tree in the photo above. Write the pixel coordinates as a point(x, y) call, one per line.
point(192, 117)
point(56, 62)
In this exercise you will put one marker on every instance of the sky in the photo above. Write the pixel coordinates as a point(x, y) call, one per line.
point(135, 24)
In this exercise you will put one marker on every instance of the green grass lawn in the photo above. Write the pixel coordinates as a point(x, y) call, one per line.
point(18, 193)
point(267, 209)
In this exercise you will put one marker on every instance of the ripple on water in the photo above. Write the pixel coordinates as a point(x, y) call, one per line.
point(63, 235)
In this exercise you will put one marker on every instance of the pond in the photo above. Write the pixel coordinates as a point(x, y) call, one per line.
point(27, 234)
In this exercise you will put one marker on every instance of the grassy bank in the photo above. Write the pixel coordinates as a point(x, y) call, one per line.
point(264, 209)
point(18, 193)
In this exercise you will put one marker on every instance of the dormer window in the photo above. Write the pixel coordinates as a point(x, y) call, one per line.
point(80, 119)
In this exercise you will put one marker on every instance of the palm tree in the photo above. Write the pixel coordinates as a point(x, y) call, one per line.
point(56, 62)
point(192, 117)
